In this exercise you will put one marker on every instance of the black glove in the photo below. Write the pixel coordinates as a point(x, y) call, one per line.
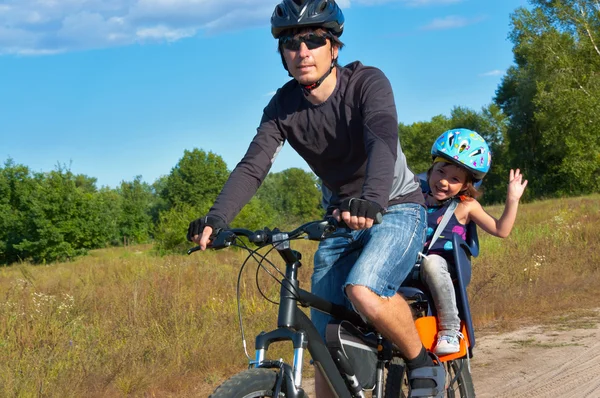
point(197, 226)
point(362, 208)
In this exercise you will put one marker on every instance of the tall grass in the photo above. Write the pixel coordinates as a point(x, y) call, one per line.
point(124, 322)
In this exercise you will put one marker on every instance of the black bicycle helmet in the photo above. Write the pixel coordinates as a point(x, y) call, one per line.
point(290, 14)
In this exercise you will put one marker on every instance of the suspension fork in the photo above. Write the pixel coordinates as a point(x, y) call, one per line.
point(300, 343)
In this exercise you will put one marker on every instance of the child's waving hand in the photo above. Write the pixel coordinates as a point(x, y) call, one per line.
point(516, 185)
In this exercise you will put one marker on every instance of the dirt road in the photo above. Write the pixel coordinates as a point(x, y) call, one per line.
point(541, 361)
point(560, 359)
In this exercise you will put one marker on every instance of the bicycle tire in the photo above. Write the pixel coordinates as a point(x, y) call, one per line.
point(251, 383)
point(396, 382)
point(464, 382)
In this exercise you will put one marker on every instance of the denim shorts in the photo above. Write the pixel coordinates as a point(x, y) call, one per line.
point(379, 258)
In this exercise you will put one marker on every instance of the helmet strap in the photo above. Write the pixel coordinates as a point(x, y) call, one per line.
point(308, 88)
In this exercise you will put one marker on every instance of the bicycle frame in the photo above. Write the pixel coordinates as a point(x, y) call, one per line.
point(294, 325)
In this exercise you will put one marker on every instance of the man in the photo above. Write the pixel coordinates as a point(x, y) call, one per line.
point(342, 121)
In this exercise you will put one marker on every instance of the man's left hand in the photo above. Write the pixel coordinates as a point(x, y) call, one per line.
point(358, 213)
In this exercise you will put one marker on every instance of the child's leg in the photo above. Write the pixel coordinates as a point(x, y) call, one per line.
point(434, 272)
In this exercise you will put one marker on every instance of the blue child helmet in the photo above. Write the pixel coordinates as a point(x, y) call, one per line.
point(465, 148)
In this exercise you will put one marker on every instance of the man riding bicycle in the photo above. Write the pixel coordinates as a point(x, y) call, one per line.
point(342, 121)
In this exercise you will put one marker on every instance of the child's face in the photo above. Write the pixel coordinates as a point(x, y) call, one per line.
point(446, 180)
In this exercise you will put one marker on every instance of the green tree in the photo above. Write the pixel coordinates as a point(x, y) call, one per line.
point(552, 96)
point(184, 195)
point(159, 202)
point(56, 224)
point(416, 141)
point(52, 216)
point(257, 214)
point(105, 215)
point(197, 179)
point(135, 220)
point(16, 187)
point(292, 193)
point(170, 235)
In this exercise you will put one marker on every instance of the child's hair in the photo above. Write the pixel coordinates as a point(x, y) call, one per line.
point(469, 191)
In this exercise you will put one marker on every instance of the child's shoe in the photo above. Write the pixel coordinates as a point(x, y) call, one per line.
point(448, 342)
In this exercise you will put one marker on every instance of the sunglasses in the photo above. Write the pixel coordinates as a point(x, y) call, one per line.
point(311, 40)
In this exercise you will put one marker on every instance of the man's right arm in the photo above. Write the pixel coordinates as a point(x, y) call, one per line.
point(250, 172)
point(246, 177)
point(243, 182)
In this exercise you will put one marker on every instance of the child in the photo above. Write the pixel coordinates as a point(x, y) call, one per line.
point(461, 158)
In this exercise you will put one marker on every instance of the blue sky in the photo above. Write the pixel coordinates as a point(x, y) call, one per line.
point(120, 88)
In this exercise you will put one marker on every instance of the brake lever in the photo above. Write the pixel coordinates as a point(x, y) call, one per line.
point(319, 231)
point(193, 249)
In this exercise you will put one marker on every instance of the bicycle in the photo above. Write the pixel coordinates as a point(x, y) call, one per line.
point(358, 341)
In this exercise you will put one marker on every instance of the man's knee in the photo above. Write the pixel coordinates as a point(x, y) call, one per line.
point(359, 294)
point(365, 301)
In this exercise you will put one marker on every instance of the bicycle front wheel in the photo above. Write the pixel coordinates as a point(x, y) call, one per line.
point(252, 383)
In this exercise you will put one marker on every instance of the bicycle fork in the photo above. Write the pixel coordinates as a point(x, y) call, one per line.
point(290, 375)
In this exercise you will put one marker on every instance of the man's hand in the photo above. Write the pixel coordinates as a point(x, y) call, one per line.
point(203, 229)
point(358, 213)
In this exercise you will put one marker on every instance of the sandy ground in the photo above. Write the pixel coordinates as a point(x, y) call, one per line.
point(539, 361)
point(559, 359)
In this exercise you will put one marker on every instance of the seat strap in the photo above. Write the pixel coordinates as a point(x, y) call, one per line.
point(445, 219)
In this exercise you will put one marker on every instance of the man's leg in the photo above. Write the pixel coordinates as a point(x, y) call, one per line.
point(389, 253)
point(390, 315)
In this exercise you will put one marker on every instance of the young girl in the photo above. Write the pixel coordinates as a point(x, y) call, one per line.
point(461, 158)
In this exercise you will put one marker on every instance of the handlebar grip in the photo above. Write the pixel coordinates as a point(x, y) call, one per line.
point(193, 249)
point(377, 220)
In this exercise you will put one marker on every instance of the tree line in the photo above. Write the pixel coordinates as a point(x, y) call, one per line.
point(58, 215)
point(543, 120)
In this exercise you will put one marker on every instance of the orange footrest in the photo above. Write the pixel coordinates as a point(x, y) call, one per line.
point(428, 328)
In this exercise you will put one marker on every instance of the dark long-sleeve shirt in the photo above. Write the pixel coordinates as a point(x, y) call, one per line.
point(350, 141)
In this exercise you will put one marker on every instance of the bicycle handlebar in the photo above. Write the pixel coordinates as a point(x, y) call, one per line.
point(314, 230)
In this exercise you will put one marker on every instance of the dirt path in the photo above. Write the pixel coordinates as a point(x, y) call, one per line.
point(561, 359)
point(540, 361)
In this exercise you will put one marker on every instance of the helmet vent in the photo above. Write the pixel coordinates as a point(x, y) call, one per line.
point(450, 140)
point(476, 152)
point(323, 6)
point(279, 11)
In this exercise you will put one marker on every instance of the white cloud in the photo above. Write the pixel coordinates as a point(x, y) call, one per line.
point(54, 26)
point(451, 22)
point(31, 27)
point(495, 72)
point(164, 33)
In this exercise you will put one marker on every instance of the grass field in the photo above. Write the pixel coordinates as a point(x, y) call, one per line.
point(124, 322)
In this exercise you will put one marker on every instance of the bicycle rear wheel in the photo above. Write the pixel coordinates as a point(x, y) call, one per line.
point(252, 383)
point(459, 382)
